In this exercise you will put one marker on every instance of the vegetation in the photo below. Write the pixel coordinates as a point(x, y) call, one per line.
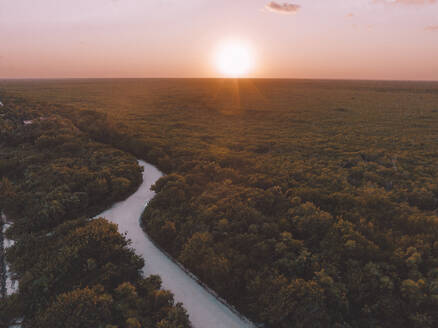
point(73, 272)
point(303, 203)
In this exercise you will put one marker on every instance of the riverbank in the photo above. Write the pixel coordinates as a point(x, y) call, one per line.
point(200, 282)
point(204, 307)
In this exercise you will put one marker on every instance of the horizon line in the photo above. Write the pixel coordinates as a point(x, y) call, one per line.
point(215, 78)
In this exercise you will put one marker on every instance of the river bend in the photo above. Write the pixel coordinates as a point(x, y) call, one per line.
point(205, 310)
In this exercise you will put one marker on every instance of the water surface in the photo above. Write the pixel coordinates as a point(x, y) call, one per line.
point(204, 309)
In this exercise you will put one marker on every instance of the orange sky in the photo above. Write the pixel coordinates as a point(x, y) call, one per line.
point(354, 39)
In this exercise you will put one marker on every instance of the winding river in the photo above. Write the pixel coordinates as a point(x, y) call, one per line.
point(204, 308)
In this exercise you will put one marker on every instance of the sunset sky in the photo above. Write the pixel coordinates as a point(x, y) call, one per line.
point(354, 39)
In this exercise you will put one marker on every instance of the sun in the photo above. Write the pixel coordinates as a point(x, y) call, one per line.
point(234, 59)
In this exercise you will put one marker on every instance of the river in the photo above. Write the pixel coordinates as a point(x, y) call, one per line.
point(205, 310)
point(11, 285)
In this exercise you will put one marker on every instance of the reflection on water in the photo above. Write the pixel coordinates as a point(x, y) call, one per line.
point(204, 309)
point(11, 285)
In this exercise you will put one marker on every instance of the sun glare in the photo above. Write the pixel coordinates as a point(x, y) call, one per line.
point(234, 59)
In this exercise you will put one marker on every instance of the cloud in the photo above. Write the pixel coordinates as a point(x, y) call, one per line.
point(282, 8)
point(407, 2)
point(350, 15)
point(431, 28)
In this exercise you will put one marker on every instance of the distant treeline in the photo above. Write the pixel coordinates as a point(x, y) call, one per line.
point(72, 271)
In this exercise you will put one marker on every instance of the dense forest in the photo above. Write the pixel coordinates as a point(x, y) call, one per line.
point(72, 271)
point(303, 203)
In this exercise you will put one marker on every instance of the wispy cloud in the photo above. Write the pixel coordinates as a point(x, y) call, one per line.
point(282, 8)
point(431, 28)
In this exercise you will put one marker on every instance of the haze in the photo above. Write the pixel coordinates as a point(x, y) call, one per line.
point(356, 39)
